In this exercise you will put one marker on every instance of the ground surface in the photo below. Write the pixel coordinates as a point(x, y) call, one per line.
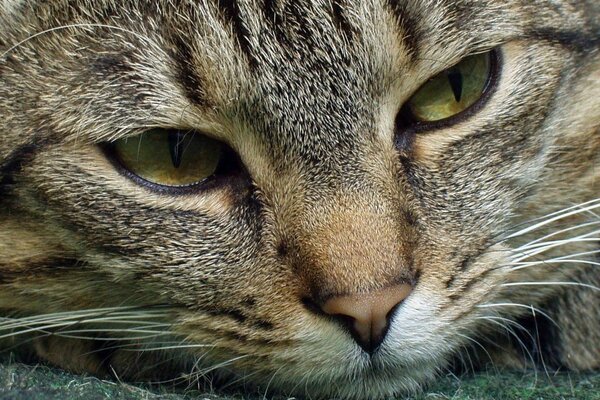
point(20, 382)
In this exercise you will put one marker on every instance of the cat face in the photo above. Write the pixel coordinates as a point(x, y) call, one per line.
point(335, 246)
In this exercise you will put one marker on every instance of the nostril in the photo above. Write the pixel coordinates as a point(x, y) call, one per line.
point(311, 306)
point(367, 314)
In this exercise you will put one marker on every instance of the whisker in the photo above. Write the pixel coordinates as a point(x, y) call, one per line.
point(67, 323)
point(111, 338)
point(478, 344)
point(100, 311)
point(219, 365)
point(561, 231)
point(498, 321)
point(47, 329)
point(543, 247)
point(195, 376)
point(64, 27)
point(177, 347)
point(527, 306)
point(185, 377)
point(114, 315)
point(465, 352)
point(585, 285)
point(19, 323)
point(120, 311)
point(554, 261)
point(538, 342)
point(557, 225)
point(124, 330)
point(565, 257)
point(505, 320)
point(555, 216)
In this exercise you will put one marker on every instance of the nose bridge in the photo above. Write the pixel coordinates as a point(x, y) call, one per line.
point(352, 244)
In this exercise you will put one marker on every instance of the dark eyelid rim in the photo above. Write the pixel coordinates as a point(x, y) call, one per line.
point(408, 125)
point(226, 175)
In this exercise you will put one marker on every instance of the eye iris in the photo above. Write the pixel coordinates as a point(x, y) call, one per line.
point(452, 91)
point(170, 157)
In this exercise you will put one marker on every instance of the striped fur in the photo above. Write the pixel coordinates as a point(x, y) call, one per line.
point(495, 217)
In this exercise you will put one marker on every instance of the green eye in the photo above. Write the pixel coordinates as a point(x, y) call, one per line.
point(452, 91)
point(170, 157)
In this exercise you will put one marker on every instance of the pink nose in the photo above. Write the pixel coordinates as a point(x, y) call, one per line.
point(368, 313)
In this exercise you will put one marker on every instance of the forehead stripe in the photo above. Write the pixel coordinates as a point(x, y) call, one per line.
point(230, 11)
point(408, 24)
point(190, 80)
point(340, 19)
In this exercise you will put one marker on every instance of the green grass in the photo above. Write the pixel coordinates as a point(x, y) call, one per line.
point(517, 386)
point(19, 381)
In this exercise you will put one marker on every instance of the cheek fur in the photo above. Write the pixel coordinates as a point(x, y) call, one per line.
point(347, 258)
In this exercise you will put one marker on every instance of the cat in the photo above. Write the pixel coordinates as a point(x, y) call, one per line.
point(324, 198)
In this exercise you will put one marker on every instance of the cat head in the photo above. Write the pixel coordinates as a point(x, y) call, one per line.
point(338, 242)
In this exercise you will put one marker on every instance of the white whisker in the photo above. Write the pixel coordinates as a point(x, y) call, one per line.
point(538, 245)
point(477, 343)
point(96, 330)
point(577, 209)
point(540, 248)
point(195, 376)
point(17, 323)
point(561, 231)
point(554, 261)
point(99, 311)
point(108, 338)
point(526, 306)
point(64, 27)
point(177, 347)
point(551, 283)
point(565, 257)
point(55, 323)
point(499, 322)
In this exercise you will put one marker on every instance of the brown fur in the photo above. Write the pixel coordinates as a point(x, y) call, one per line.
point(326, 204)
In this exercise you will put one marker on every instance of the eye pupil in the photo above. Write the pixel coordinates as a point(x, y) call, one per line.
point(176, 147)
point(456, 83)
